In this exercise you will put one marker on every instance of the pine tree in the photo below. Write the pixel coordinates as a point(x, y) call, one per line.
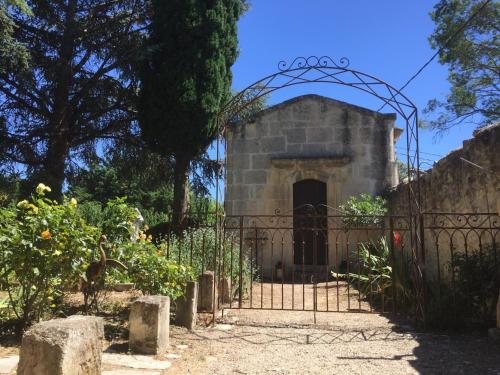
point(78, 88)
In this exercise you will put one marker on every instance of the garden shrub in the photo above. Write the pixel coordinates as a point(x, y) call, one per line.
point(196, 248)
point(469, 299)
point(44, 250)
point(148, 266)
point(378, 273)
point(153, 273)
point(363, 210)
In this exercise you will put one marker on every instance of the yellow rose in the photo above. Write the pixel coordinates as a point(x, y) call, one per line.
point(73, 202)
point(46, 235)
point(23, 204)
point(42, 188)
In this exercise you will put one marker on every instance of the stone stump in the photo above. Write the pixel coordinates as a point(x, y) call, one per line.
point(187, 307)
point(206, 292)
point(149, 323)
point(71, 346)
point(225, 289)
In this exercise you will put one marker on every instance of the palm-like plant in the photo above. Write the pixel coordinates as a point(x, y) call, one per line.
point(379, 275)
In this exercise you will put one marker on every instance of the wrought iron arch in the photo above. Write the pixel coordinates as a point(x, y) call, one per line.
point(324, 69)
point(313, 69)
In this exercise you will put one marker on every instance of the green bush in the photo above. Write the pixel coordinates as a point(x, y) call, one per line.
point(44, 250)
point(469, 299)
point(148, 267)
point(363, 210)
point(46, 247)
point(153, 273)
point(380, 275)
point(196, 248)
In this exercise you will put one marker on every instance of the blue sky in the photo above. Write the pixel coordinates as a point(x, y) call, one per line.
point(385, 38)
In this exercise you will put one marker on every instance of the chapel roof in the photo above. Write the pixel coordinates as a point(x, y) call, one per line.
point(320, 98)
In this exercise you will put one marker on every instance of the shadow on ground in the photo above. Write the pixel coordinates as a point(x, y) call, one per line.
point(360, 343)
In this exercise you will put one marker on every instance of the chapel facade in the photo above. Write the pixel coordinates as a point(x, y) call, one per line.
point(308, 151)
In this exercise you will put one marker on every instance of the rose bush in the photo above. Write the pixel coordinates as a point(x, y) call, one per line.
point(44, 249)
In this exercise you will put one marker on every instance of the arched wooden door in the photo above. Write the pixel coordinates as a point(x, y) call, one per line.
point(310, 223)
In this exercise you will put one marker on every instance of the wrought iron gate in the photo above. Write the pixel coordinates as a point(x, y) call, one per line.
point(370, 265)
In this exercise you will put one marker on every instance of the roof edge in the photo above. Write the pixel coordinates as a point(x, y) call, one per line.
point(296, 99)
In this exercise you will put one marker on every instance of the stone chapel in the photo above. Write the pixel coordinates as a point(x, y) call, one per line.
point(308, 145)
point(307, 151)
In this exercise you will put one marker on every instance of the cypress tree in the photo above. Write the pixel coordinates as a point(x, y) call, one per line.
point(185, 79)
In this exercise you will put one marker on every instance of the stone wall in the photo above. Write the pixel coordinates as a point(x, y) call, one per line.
point(454, 185)
point(453, 190)
point(349, 148)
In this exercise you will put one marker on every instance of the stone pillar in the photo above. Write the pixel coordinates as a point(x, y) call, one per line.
point(149, 325)
point(225, 289)
point(71, 346)
point(206, 292)
point(187, 307)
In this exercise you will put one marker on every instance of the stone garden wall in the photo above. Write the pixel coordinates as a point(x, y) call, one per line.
point(454, 193)
point(454, 185)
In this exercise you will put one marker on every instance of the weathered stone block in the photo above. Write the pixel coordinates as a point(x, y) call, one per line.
point(273, 144)
point(257, 192)
point(295, 135)
point(255, 177)
point(294, 148)
point(240, 161)
point(225, 289)
point(319, 135)
point(303, 111)
point(149, 325)
point(314, 149)
point(187, 306)
point(70, 346)
point(206, 291)
point(260, 161)
point(245, 146)
point(239, 192)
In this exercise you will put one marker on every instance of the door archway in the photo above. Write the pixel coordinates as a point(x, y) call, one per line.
point(309, 223)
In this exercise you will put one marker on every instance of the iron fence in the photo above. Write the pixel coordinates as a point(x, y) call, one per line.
point(348, 264)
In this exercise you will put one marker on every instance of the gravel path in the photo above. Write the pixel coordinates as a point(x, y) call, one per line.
point(341, 343)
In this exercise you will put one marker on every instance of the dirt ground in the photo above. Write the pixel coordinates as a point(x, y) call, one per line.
point(282, 342)
point(331, 296)
point(289, 342)
point(345, 340)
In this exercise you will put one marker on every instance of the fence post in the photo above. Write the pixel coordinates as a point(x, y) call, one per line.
point(240, 293)
point(422, 257)
point(393, 261)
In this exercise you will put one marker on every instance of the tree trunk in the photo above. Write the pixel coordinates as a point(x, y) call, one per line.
point(181, 192)
point(59, 143)
point(55, 165)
